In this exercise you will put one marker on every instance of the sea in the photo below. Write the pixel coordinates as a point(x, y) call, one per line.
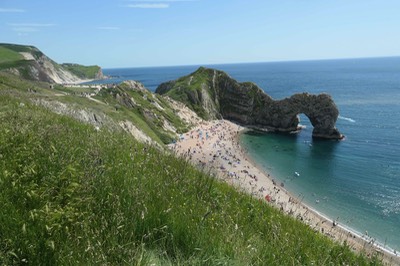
point(355, 181)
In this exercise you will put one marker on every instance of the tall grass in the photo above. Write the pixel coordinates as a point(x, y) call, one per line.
point(72, 195)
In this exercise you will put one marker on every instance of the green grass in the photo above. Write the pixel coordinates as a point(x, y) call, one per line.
point(7, 55)
point(72, 195)
point(22, 48)
point(9, 82)
point(150, 125)
point(73, 90)
point(188, 90)
point(143, 113)
point(85, 72)
point(10, 57)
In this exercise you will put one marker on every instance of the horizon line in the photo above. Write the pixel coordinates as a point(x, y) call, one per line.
point(258, 62)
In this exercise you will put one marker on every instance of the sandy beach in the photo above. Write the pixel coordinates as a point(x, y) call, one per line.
point(214, 146)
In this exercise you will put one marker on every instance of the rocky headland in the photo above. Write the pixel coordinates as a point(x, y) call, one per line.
point(213, 94)
point(30, 63)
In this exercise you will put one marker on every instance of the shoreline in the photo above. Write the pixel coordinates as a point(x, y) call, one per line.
point(215, 146)
point(367, 241)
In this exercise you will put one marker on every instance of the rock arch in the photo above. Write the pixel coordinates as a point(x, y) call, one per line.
point(320, 110)
point(262, 112)
point(247, 104)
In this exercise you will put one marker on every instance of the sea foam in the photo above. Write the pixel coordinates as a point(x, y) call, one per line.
point(347, 119)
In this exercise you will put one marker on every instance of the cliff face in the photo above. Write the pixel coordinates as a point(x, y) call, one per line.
point(30, 63)
point(213, 94)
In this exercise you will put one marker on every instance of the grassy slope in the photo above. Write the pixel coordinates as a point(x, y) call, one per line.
point(10, 58)
point(189, 94)
point(150, 125)
point(73, 195)
point(144, 113)
point(7, 55)
point(17, 61)
point(17, 47)
point(84, 72)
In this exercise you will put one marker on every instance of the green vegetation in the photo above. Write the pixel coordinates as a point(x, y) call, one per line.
point(73, 90)
point(12, 83)
point(12, 61)
point(7, 55)
point(22, 48)
point(145, 110)
point(72, 195)
point(189, 89)
point(83, 72)
point(10, 58)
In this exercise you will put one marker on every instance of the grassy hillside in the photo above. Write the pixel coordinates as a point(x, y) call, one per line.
point(72, 195)
point(39, 67)
point(31, 69)
point(147, 111)
point(11, 58)
point(7, 55)
point(189, 90)
point(22, 48)
point(83, 72)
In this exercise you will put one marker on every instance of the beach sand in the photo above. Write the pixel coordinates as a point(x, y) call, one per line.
point(214, 146)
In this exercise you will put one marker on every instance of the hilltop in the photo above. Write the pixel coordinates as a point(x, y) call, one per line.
point(84, 72)
point(30, 63)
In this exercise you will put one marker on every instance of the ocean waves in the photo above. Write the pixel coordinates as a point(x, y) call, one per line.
point(347, 119)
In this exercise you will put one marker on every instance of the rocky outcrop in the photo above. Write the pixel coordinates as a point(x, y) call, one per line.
point(85, 115)
point(99, 74)
point(213, 94)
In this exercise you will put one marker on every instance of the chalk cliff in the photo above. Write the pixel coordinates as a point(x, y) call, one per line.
point(30, 63)
point(213, 94)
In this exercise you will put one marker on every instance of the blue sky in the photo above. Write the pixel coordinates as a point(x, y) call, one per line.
point(132, 33)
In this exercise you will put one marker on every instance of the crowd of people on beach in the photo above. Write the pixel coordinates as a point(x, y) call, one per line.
point(217, 148)
point(214, 147)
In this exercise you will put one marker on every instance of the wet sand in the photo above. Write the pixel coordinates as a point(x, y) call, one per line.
point(214, 146)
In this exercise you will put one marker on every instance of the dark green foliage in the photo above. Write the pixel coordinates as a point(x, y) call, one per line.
point(72, 195)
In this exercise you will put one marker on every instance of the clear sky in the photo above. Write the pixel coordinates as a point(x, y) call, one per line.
point(130, 33)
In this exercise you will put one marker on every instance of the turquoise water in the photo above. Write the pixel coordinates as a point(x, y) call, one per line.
point(356, 180)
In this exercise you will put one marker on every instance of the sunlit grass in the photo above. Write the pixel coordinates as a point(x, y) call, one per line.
point(72, 195)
